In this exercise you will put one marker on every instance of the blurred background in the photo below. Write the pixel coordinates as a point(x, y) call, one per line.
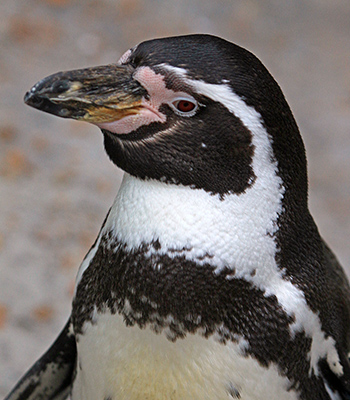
point(56, 183)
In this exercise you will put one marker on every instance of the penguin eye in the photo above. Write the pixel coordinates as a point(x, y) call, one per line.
point(185, 107)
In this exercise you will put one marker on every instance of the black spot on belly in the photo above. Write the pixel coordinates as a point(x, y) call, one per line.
point(233, 391)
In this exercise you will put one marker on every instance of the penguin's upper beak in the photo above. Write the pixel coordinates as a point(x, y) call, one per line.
point(98, 94)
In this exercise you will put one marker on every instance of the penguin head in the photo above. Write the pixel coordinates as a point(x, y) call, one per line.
point(194, 110)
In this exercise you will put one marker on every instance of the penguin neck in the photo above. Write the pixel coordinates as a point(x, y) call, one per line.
point(236, 232)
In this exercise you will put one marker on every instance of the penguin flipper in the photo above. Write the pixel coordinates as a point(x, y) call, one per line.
point(338, 386)
point(341, 288)
point(51, 376)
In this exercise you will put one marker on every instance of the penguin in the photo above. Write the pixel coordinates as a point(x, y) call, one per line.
point(209, 278)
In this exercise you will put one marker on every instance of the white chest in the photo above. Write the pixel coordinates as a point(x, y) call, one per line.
point(235, 232)
point(129, 363)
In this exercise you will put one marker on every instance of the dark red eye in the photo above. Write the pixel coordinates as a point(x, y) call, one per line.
point(184, 106)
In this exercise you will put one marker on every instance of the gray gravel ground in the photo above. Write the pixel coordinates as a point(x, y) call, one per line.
point(56, 181)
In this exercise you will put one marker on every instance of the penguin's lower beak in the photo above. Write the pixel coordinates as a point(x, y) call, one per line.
point(99, 94)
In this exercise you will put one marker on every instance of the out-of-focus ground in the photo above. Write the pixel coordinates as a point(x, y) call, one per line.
point(56, 181)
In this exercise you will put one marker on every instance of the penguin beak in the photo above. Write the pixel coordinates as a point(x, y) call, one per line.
point(99, 94)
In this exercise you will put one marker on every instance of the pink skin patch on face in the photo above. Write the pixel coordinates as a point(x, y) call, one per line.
point(158, 95)
point(124, 58)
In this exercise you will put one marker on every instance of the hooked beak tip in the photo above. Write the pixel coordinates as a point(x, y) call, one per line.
point(32, 99)
point(97, 94)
